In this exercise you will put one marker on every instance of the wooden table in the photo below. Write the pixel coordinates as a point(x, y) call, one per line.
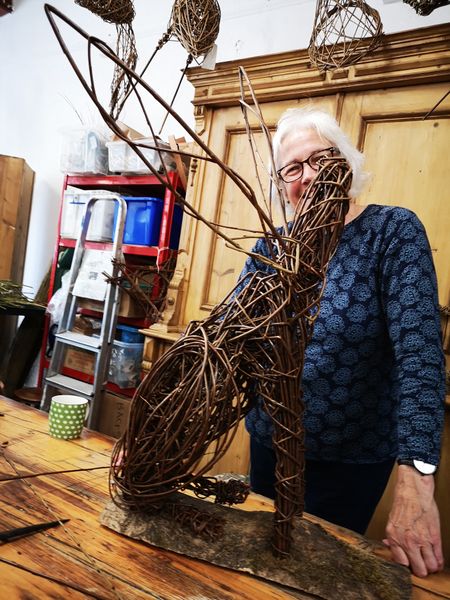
point(82, 559)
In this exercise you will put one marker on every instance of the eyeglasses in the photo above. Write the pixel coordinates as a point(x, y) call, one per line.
point(294, 170)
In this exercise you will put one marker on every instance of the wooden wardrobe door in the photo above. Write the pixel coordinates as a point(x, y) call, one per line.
point(408, 158)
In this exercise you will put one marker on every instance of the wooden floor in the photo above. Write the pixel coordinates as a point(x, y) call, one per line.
point(82, 559)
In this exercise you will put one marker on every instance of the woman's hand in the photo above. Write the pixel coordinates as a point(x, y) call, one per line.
point(413, 529)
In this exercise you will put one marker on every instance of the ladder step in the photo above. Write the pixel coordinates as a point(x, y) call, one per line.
point(71, 384)
point(79, 340)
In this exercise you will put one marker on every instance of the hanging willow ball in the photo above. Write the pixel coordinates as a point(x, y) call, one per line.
point(111, 11)
point(344, 31)
point(195, 24)
point(426, 7)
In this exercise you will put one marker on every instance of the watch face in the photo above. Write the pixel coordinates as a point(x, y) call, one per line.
point(424, 467)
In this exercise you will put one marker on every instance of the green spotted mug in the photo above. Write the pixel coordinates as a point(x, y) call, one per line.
point(67, 416)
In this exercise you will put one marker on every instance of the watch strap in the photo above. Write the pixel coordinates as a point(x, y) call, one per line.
point(419, 465)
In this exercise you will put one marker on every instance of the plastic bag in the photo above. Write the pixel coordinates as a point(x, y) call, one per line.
point(55, 307)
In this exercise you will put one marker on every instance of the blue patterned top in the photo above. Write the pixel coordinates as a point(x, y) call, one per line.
point(374, 376)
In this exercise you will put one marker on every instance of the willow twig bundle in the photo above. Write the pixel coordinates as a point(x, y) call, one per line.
point(11, 296)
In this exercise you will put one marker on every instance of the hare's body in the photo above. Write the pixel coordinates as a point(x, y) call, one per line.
point(252, 345)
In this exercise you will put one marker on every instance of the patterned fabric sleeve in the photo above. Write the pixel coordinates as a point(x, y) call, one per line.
point(409, 294)
point(252, 265)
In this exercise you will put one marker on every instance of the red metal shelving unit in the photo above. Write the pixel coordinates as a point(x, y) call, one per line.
point(128, 185)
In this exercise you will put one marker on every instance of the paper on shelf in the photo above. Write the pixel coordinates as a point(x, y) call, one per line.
point(90, 282)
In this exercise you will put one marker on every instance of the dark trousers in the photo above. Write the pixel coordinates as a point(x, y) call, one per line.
point(343, 493)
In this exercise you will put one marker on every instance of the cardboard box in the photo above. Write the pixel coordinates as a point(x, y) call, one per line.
point(113, 416)
point(80, 360)
point(128, 307)
point(87, 325)
point(124, 368)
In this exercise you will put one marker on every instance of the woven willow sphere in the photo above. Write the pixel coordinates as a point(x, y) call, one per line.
point(344, 31)
point(111, 11)
point(195, 23)
point(426, 7)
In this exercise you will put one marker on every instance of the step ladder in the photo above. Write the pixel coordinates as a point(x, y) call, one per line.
point(67, 338)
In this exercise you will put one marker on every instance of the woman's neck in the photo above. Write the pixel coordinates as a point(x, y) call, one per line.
point(354, 210)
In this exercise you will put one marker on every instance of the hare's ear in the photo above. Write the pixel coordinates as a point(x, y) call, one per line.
point(139, 87)
point(263, 167)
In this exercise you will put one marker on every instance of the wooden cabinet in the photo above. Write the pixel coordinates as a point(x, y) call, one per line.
point(381, 102)
point(16, 189)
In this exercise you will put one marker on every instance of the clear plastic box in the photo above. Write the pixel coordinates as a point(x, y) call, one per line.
point(125, 364)
point(123, 159)
point(102, 217)
point(84, 151)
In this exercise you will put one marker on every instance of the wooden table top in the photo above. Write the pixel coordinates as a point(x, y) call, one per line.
point(82, 559)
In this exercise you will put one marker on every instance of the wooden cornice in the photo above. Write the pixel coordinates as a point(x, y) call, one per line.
point(407, 58)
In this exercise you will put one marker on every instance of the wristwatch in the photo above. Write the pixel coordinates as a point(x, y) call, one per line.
point(422, 467)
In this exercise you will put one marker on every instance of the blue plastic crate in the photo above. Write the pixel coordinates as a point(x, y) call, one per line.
point(177, 221)
point(126, 333)
point(143, 222)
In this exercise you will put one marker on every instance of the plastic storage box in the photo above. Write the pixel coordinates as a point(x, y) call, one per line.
point(84, 151)
point(143, 222)
point(102, 217)
point(125, 364)
point(123, 159)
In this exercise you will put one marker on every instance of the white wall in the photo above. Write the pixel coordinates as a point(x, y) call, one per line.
point(40, 95)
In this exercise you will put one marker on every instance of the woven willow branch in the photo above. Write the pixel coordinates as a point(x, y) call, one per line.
point(185, 413)
point(253, 343)
point(344, 32)
point(195, 24)
point(121, 13)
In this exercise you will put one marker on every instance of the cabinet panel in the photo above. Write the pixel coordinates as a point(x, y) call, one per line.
point(408, 157)
point(16, 187)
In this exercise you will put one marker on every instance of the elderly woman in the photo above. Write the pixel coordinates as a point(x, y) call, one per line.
point(373, 379)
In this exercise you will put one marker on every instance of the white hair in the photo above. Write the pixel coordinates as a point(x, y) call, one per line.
point(301, 119)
